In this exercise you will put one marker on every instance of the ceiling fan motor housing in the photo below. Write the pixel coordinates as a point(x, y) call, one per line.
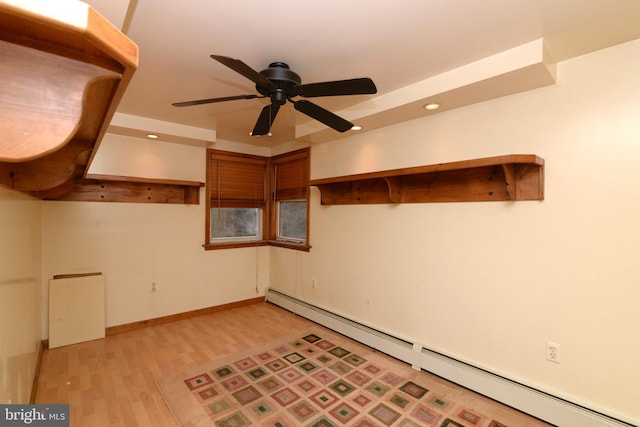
point(283, 79)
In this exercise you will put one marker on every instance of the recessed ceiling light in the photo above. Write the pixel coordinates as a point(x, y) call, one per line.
point(151, 136)
point(432, 106)
point(356, 127)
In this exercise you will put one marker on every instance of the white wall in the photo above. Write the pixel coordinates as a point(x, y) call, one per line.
point(136, 245)
point(20, 312)
point(490, 283)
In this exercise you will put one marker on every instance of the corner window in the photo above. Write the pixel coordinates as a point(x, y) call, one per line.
point(290, 172)
point(255, 200)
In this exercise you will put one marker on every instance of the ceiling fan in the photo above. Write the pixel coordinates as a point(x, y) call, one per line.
point(281, 84)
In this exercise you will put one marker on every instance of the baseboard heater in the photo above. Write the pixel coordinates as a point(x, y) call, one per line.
point(539, 404)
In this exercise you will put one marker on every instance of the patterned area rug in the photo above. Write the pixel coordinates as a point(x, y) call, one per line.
point(318, 378)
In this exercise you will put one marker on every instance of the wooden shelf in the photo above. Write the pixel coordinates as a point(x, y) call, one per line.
point(63, 75)
point(509, 177)
point(112, 188)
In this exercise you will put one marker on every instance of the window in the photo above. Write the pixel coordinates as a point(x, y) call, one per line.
point(236, 198)
point(236, 224)
point(254, 200)
point(290, 173)
point(292, 221)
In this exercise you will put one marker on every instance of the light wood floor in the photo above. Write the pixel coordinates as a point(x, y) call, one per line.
point(110, 382)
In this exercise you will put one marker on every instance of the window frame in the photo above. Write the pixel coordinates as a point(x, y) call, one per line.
point(290, 185)
point(233, 195)
point(272, 193)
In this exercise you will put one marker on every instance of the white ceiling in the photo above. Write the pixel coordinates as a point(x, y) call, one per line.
point(453, 51)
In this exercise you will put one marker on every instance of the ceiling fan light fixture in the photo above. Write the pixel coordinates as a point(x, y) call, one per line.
point(279, 83)
point(432, 106)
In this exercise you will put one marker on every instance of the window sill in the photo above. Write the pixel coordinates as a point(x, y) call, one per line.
point(290, 245)
point(232, 245)
point(278, 243)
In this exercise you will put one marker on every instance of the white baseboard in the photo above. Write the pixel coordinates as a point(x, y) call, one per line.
point(539, 404)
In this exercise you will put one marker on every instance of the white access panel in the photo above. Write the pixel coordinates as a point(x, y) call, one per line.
point(76, 309)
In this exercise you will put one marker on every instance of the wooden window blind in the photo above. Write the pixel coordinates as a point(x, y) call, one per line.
point(236, 180)
point(291, 175)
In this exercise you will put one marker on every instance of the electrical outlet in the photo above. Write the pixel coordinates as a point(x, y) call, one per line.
point(314, 283)
point(553, 352)
point(153, 287)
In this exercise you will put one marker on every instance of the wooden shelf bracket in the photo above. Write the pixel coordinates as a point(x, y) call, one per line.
point(63, 76)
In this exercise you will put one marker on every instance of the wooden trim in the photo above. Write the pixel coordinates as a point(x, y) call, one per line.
point(71, 276)
point(235, 245)
point(120, 178)
point(232, 156)
point(113, 330)
point(253, 243)
point(302, 153)
point(290, 245)
point(439, 167)
point(44, 344)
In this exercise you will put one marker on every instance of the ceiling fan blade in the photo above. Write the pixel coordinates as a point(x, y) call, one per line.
point(240, 67)
point(212, 100)
point(359, 86)
point(325, 116)
point(265, 120)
